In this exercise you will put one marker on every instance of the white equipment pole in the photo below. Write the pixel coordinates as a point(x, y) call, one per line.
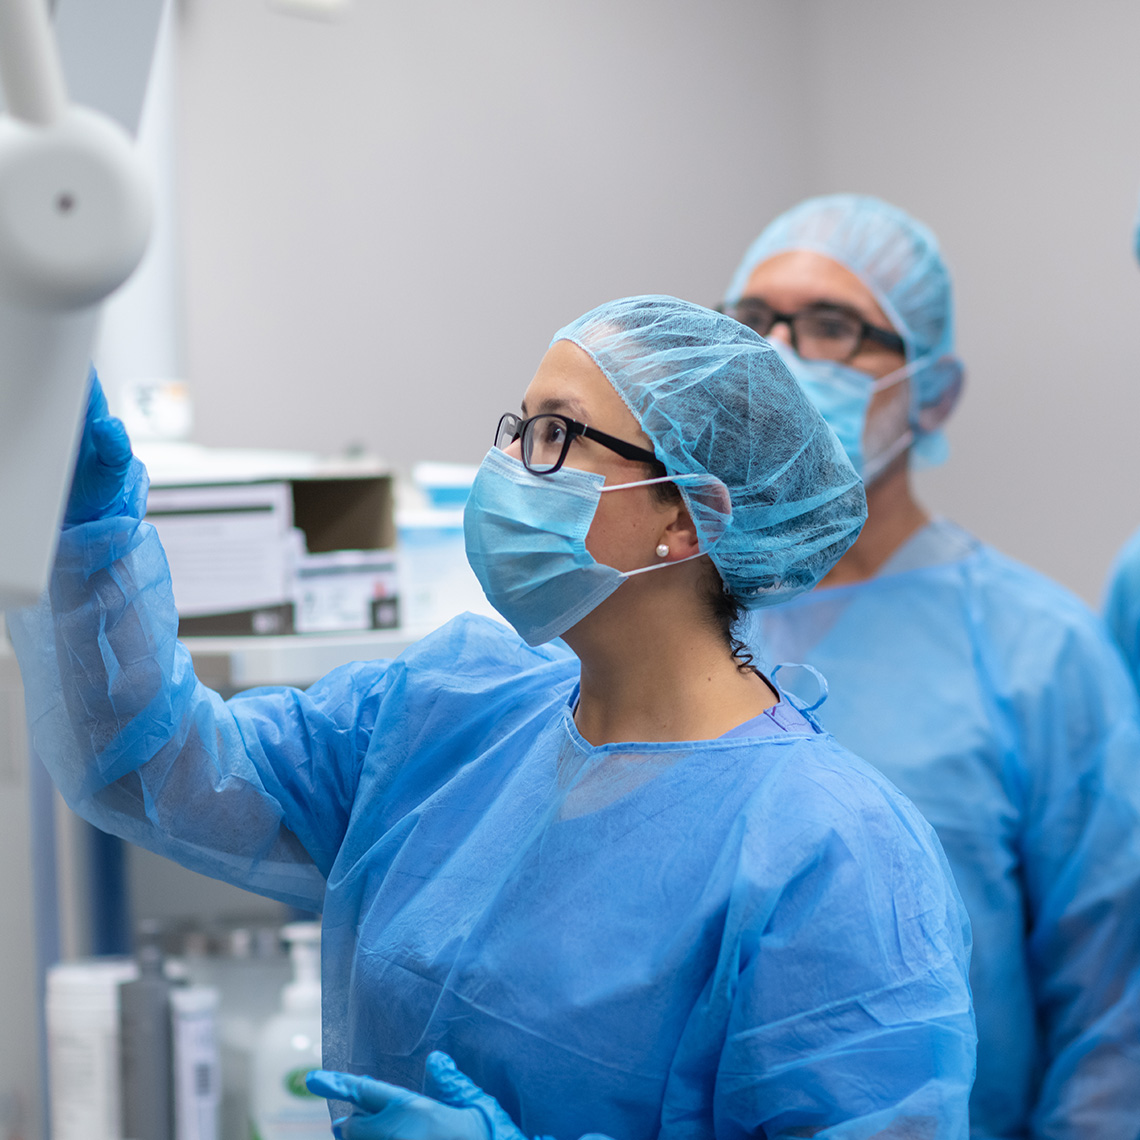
point(29, 64)
point(75, 215)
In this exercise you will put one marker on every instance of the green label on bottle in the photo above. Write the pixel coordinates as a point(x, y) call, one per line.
point(295, 1084)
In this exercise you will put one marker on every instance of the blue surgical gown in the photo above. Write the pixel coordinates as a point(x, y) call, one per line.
point(993, 699)
point(1122, 604)
point(755, 936)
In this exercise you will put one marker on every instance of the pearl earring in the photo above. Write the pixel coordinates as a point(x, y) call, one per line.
point(662, 550)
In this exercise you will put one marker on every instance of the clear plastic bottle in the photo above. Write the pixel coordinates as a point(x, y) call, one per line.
point(248, 967)
point(289, 1045)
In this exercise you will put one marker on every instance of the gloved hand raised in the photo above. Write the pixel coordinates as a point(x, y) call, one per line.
point(454, 1109)
point(103, 468)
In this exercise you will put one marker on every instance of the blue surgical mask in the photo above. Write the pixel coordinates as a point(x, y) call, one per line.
point(526, 542)
point(842, 395)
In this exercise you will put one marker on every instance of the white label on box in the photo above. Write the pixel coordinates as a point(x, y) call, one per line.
point(336, 591)
point(229, 547)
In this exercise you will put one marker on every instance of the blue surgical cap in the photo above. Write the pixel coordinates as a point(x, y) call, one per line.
point(781, 502)
point(899, 261)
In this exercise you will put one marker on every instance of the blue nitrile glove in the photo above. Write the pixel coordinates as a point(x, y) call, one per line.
point(454, 1107)
point(446, 1083)
point(103, 466)
point(388, 1112)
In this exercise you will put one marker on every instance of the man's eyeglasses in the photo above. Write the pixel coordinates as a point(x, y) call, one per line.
point(546, 441)
point(819, 332)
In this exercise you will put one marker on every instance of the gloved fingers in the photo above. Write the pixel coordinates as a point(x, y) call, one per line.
point(99, 483)
point(396, 1124)
point(111, 443)
point(108, 435)
point(383, 1126)
point(339, 1128)
point(96, 398)
point(444, 1081)
point(364, 1092)
point(388, 1112)
point(416, 1119)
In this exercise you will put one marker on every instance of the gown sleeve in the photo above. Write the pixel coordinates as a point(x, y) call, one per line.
point(256, 791)
point(1081, 866)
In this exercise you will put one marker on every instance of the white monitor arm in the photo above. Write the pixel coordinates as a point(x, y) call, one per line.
point(75, 215)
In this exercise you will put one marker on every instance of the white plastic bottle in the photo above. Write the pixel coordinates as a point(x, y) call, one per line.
point(197, 1076)
point(83, 1047)
point(288, 1046)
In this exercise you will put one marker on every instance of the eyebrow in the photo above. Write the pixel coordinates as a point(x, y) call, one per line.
point(829, 303)
point(844, 307)
point(567, 407)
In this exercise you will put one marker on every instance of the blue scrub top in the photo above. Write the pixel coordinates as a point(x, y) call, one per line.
point(749, 936)
point(992, 698)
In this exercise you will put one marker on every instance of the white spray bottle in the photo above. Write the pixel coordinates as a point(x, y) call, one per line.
point(289, 1045)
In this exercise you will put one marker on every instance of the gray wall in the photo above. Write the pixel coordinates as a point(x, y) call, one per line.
point(386, 217)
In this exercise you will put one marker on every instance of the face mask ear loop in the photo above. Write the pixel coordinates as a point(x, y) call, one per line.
point(875, 465)
point(905, 372)
point(643, 483)
point(678, 479)
point(661, 565)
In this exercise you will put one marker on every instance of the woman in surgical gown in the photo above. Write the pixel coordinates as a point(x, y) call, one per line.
point(630, 890)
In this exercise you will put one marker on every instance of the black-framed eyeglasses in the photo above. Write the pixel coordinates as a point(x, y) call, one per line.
point(546, 441)
point(819, 332)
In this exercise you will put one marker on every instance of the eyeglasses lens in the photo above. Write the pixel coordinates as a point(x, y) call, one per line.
point(544, 443)
point(827, 335)
point(817, 334)
point(507, 431)
point(754, 313)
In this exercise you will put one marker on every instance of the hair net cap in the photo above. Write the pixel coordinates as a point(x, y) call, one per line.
point(899, 261)
point(784, 502)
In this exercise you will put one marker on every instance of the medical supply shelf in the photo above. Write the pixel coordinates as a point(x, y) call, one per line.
point(230, 663)
point(74, 892)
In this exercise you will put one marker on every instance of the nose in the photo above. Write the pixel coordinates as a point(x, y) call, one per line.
point(514, 450)
point(781, 331)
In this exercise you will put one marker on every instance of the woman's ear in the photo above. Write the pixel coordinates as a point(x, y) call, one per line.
point(681, 533)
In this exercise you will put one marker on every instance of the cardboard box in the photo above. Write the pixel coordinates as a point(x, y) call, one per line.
point(240, 542)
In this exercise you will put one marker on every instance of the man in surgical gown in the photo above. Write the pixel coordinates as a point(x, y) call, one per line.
point(1122, 596)
point(987, 693)
point(1122, 604)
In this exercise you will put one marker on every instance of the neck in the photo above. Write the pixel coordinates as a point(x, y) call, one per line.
point(649, 679)
point(893, 516)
